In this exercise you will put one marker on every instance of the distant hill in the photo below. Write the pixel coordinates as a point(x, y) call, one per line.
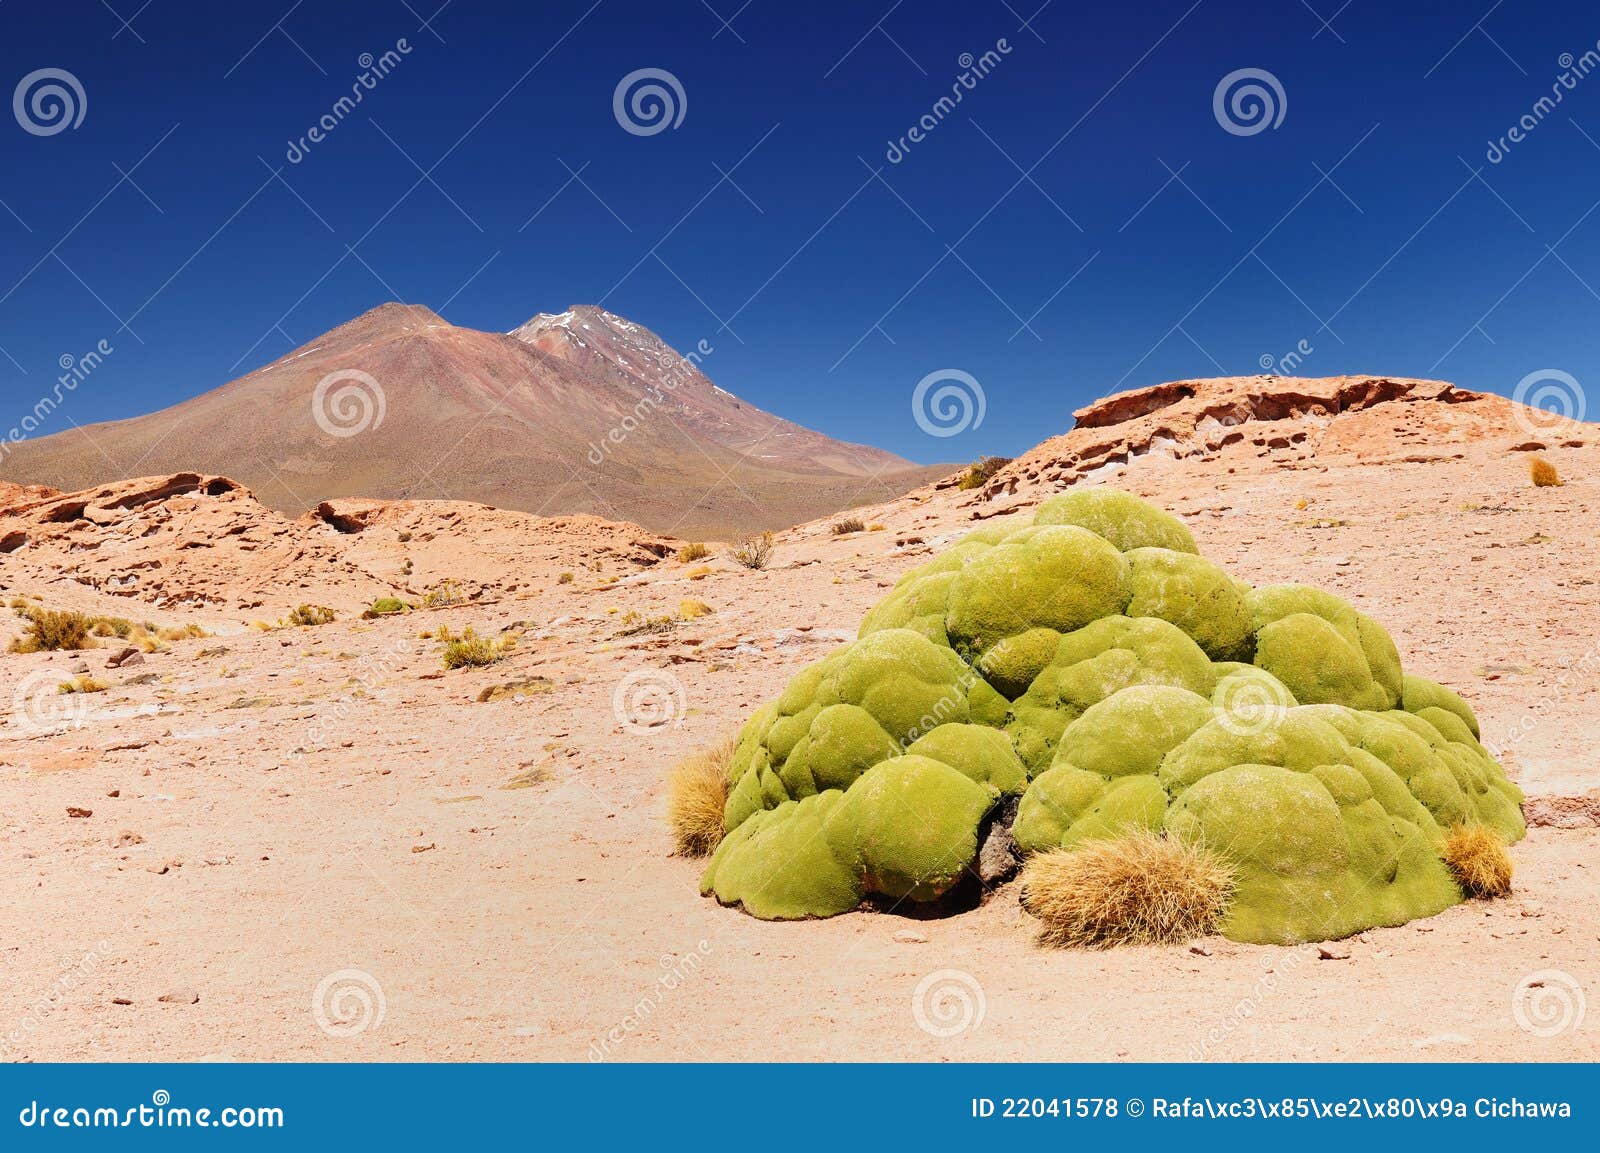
point(576, 412)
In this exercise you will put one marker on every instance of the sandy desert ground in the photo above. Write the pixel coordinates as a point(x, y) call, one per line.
point(315, 844)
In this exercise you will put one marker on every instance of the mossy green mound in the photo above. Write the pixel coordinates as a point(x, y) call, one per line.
point(1093, 675)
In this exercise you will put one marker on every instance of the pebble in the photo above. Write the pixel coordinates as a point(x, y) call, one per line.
point(1333, 952)
point(910, 937)
point(180, 997)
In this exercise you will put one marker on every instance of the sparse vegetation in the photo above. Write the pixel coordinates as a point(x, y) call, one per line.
point(753, 553)
point(1478, 859)
point(1544, 473)
point(697, 792)
point(309, 615)
point(699, 572)
point(981, 470)
point(51, 629)
point(690, 609)
point(386, 606)
point(83, 684)
point(635, 624)
point(875, 527)
point(1137, 889)
point(846, 525)
point(565, 578)
point(692, 552)
point(443, 594)
point(469, 650)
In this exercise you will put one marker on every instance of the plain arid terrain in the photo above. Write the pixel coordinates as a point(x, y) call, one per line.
point(315, 842)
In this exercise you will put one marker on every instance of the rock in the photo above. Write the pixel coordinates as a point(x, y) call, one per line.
point(1200, 950)
point(180, 997)
point(78, 667)
point(1333, 951)
point(125, 838)
point(76, 811)
point(124, 657)
point(998, 855)
point(910, 937)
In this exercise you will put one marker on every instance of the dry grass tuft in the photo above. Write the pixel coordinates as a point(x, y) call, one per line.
point(847, 525)
point(49, 630)
point(83, 684)
point(1477, 856)
point(697, 791)
point(1544, 473)
point(1138, 889)
point(308, 616)
point(692, 552)
point(753, 553)
point(469, 650)
point(980, 471)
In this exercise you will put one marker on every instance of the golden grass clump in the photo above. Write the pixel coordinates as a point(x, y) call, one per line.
point(699, 572)
point(83, 684)
point(1477, 857)
point(697, 792)
point(692, 552)
point(468, 650)
point(50, 629)
point(1137, 889)
point(309, 615)
point(847, 525)
point(1544, 473)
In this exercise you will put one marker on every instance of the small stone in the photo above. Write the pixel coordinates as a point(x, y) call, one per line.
point(124, 657)
point(429, 847)
point(1333, 952)
point(180, 997)
point(125, 838)
point(75, 811)
point(157, 869)
point(121, 1001)
point(1200, 950)
point(910, 937)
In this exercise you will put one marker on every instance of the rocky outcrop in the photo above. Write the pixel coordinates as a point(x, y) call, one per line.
point(1292, 420)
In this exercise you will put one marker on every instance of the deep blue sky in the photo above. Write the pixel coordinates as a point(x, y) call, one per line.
point(832, 282)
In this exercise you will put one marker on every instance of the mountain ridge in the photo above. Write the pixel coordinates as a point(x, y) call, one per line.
point(590, 414)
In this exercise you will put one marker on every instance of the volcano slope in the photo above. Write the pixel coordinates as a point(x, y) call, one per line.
point(320, 807)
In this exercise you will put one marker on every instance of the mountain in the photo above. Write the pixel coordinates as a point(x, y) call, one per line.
point(576, 412)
